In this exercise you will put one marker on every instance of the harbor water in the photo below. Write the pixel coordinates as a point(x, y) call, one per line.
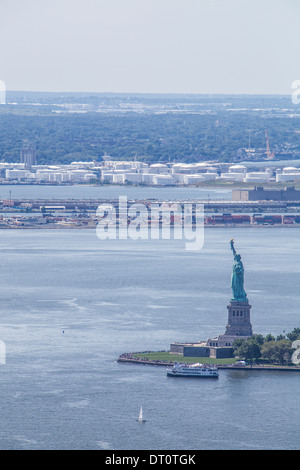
point(19, 191)
point(71, 304)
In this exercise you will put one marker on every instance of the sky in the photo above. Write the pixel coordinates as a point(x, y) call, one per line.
point(150, 46)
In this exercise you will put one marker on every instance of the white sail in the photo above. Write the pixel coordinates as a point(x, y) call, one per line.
point(140, 418)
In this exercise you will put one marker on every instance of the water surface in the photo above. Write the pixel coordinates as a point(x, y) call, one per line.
point(71, 304)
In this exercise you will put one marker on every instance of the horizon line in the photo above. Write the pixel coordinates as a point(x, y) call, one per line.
point(151, 93)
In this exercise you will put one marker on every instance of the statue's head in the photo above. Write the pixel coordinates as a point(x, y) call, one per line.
point(238, 257)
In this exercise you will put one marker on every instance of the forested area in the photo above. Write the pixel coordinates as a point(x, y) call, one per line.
point(216, 134)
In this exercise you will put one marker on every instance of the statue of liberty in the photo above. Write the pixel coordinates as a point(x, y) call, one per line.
point(237, 277)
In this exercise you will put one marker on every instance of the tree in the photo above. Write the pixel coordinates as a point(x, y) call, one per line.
point(293, 335)
point(236, 345)
point(269, 337)
point(249, 348)
point(277, 351)
point(259, 339)
point(273, 350)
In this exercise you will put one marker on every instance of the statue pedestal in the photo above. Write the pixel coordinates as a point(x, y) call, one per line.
point(238, 319)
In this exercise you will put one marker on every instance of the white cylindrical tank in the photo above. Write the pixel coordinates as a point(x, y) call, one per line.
point(233, 176)
point(158, 168)
point(163, 180)
point(257, 177)
point(133, 177)
point(237, 169)
point(194, 179)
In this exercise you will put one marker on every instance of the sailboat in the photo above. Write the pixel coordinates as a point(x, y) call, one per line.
point(140, 419)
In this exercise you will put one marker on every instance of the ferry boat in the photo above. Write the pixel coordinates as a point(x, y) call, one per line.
point(193, 370)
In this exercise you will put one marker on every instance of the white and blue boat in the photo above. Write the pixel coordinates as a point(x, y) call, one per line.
point(193, 370)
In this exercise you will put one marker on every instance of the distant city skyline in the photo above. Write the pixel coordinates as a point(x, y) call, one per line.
point(150, 46)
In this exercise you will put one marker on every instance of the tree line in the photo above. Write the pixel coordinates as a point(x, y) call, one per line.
point(267, 349)
point(222, 136)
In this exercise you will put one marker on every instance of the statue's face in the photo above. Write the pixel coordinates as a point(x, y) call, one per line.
point(238, 257)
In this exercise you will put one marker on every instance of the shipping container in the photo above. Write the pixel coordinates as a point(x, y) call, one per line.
point(288, 219)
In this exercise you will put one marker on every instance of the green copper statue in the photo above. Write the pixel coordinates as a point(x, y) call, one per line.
point(237, 277)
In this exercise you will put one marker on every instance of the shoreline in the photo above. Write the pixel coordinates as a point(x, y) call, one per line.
point(89, 227)
point(205, 185)
point(131, 360)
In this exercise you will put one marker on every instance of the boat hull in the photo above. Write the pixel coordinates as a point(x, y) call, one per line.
point(193, 376)
point(197, 370)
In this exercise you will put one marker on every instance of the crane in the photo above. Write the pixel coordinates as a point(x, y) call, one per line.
point(270, 155)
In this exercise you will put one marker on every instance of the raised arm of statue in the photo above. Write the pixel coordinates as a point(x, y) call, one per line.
point(232, 247)
point(237, 277)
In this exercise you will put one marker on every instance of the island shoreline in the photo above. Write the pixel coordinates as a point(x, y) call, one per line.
point(129, 359)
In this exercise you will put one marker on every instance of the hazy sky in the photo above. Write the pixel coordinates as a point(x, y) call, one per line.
point(150, 46)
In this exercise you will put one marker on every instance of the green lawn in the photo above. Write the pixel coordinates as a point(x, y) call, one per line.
point(166, 356)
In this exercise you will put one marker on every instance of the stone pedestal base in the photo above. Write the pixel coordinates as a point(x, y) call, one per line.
point(238, 327)
point(238, 319)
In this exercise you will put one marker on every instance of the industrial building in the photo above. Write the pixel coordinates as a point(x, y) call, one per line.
point(28, 154)
point(261, 194)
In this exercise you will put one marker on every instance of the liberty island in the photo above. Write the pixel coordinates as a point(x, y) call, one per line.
point(222, 348)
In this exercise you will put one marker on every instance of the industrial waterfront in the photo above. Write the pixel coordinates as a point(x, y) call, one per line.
point(56, 207)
